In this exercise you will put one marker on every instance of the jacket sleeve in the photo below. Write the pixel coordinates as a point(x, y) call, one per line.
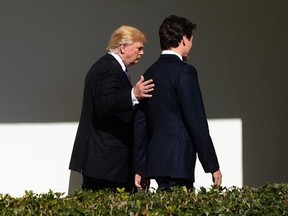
point(140, 140)
point(193, 110)
point(111, 93)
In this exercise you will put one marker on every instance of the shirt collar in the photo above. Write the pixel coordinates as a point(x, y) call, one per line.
point(171, 52)
point(117, 57)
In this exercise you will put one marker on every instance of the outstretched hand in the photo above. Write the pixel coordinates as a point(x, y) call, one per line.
point(143, 89)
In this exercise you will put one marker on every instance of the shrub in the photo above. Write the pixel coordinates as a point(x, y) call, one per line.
point(270, 199)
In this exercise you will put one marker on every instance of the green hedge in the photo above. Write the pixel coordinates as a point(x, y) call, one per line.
point(270, 199)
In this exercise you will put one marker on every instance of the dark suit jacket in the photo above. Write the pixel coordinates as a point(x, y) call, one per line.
point(102, 147)
point(171, 127)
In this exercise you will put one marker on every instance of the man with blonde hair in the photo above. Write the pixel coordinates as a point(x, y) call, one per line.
point(102, 151)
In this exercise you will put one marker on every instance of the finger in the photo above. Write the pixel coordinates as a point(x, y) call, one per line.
point(137, 183)
point(137, 180)
point(148, 82)
point(148, 90)
point(140, 80)
point(149, 86)
point(217, 181)
point(146, 95)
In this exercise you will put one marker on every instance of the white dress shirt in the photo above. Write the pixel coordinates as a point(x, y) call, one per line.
point(117, 57)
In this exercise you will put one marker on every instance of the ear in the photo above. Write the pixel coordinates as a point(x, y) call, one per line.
point(122, 48)
point(184, 39)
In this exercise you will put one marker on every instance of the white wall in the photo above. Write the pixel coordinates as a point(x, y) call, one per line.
point(36, 156)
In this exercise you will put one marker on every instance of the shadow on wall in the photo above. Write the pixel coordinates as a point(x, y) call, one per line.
point(75, 182)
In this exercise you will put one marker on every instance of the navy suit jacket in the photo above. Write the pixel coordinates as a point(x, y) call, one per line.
point(103, 142)
point(171, 128)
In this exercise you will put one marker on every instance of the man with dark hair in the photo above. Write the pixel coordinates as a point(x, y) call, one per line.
point(171, 128)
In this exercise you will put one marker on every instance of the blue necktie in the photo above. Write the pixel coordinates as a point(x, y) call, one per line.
point(127, 74)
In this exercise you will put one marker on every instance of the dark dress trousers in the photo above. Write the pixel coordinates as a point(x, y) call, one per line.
point(102, 148)
point(171, 128)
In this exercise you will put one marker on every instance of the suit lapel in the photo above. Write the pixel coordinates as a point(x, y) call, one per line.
point(120, 68)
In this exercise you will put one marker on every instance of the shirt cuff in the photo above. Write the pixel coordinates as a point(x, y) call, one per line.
point(134, 99)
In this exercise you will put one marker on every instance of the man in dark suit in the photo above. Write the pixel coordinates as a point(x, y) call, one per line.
point(171, 127)
point(102, 150)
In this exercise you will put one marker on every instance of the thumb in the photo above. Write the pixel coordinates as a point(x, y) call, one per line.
point(137, 184)
point(141, 79)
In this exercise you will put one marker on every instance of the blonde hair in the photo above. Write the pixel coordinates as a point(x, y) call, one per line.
point(125, 35)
